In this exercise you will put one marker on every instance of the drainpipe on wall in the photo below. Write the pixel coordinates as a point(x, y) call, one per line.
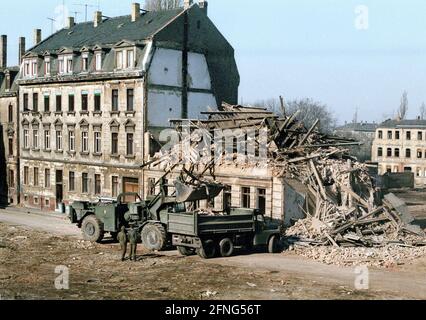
point(185, 67)
point(145, 67)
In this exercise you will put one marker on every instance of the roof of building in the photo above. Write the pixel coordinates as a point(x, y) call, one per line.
point(392, 124)
point(361, 127)
point(14, 87)
point(109, 32)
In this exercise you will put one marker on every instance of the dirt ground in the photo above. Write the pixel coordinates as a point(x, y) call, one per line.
point(29, 258)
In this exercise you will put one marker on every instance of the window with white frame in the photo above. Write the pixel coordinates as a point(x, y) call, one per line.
point(85, 142)
point(61, 66)
point(98, 143)
point(59, 140)
point(98, 62)
point(26, 139)
point(85, 62)
point(35, 139)
point(71, 141)
point(65, 64)
point(47, 66)
point(69, 64)
point(34, 68)
point(119, 60)
point(30, 68)
point(46, 139)
point(130, 58)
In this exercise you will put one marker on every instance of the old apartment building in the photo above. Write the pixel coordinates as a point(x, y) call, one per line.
point(400, 146)
point(9, 128)
point(94, 96)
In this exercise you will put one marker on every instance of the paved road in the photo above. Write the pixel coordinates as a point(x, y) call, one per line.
point(55, 224)
point(409, 284)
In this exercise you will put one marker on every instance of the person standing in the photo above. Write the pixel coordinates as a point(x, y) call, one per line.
point(133, 238)
point(122, 238)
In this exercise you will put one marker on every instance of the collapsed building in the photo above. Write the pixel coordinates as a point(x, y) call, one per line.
point(296, 175)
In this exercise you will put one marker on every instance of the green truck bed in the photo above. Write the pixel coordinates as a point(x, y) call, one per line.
point(192, 224)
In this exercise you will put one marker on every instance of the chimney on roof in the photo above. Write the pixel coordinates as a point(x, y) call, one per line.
point(21, 49)
point(37, 36)
point(70, 22)
point(187, 4)
point(136, 11)
point(203, 4)
point(3, 51)
point(98, 18)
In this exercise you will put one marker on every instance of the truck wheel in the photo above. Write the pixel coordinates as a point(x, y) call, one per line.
point(208, 250)
point(273, 244)
point(185, 251)
point(93, 229)
point(226, 248)
point(154, 237)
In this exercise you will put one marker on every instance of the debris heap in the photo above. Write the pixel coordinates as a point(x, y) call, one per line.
point(342, 208)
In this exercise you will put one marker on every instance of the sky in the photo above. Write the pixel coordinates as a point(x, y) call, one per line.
point(349, 55)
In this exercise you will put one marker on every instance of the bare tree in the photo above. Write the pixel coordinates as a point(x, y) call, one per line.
point(423, 111)
point(403, 108)
point(309, 112)
point(159, 5)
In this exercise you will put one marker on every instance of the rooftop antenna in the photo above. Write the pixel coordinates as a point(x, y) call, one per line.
point(75, 15)
point(86, 6)
point(52, 21)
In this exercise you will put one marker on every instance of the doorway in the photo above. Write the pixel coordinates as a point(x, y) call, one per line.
point(59, 187)
point(130, 185)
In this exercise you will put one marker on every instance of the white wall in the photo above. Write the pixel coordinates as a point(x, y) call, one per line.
point(199, 102)
point(199, 76)
point(166, 68)
point(163, 106)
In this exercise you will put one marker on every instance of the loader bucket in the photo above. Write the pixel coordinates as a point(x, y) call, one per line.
point(186, 193)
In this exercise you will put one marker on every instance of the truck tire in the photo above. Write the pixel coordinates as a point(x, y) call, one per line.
point(93, 229)
point(226, 248)
point(208, 250)
point(154, 237)
point(185, 251)
point(274, 244)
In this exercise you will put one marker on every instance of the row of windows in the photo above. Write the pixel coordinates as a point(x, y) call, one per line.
point(124, 59)
point(397, 153)
point(84, 102)
point(420, 172)
point(397, 135)
point(85, 181)
point(72, 147)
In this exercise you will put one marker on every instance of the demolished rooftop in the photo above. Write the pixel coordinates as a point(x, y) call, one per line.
point(343, 207)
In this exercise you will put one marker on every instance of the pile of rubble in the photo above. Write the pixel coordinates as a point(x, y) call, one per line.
point(342, 207)
point(383, 257)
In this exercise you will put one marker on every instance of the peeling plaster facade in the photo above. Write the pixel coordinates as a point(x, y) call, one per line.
point(87, 112)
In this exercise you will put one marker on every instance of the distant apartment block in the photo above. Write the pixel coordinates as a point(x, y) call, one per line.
point(400, 146)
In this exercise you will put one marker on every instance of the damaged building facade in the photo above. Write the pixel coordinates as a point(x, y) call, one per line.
point(94, 96)
point(9, 126)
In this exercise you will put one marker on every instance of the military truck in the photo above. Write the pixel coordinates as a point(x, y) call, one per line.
point(164, 220)
point(213, 235)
